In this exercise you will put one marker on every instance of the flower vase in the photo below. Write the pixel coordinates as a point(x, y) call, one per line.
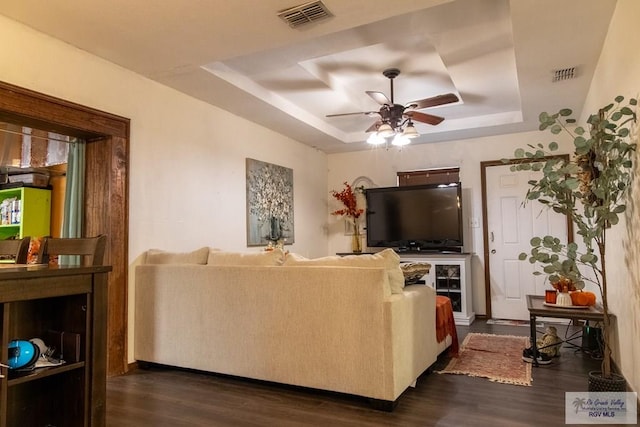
point(356, 239)
point(274, 229)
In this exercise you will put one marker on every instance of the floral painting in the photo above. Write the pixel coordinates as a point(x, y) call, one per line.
point(269, 204)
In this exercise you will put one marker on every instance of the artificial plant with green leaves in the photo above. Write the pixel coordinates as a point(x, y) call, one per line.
point(590, 188)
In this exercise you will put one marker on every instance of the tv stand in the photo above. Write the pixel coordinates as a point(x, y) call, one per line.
point(419, 250)
point(450, 276)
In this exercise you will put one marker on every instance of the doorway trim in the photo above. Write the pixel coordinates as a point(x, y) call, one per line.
point(106, 194)
point(485, 222)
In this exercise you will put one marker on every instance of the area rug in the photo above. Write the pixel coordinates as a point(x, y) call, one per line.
point(508, 322)
point(496, 357)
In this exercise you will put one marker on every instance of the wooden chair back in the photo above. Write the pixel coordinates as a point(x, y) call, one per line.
point(16, 249)
point(91, 249)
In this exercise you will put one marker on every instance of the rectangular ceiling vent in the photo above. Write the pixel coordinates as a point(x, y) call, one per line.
point(565, 74)
point(305, 14)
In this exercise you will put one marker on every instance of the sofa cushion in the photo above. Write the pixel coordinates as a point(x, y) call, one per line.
point(387, 259)
point(273, 257)
point(157, 256)
point(413, 271)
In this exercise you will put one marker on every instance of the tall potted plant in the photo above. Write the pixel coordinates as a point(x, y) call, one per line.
point(590, 188)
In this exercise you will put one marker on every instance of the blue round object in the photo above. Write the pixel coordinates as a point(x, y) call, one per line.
point(22, 353)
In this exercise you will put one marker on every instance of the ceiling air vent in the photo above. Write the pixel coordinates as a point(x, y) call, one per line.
point(305, 14)
point(565, 74)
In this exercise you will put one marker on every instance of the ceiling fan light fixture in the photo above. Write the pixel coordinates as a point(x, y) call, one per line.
point(399, 140)
point(375, 139)
point(410, 131)
point(385, 130)
point(397, 120)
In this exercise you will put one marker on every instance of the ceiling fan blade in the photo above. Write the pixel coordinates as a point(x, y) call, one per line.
point(379, 97)
point(424, 118)
point(374, 127)
point(360, 113)
point(447, 98)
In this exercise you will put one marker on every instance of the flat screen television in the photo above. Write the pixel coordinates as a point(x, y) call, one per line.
point(415, 218)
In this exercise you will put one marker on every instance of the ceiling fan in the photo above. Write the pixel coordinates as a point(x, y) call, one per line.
point(394, 116)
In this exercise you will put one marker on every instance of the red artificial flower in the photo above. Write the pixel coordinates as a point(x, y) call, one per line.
point(348, 199)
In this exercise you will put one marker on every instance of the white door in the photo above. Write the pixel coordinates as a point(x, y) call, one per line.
point(510, 228)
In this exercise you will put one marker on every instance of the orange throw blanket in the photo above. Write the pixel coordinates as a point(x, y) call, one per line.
point(445, 324)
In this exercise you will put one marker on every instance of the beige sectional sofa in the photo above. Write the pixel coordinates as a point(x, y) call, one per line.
point(344, 324)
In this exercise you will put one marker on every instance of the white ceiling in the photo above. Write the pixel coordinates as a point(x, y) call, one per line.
point(498, 56)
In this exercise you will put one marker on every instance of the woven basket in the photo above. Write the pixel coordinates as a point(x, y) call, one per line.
point(598, 383)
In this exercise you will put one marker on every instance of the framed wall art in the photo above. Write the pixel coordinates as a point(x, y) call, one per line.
point(269, 204)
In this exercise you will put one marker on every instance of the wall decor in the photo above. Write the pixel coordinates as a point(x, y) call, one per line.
point(269, 204)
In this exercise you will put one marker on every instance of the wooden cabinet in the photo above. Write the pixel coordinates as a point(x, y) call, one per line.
point(28, 216)
point(450, 276)
point(37, 299)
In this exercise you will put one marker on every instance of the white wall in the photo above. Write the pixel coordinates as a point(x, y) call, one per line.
point(187, 171)
point(618, 73)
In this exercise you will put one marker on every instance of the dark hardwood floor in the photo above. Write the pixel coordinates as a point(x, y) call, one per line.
point(161, 396)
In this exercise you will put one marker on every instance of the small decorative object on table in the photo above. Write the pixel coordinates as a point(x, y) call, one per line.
point(351, 211)
point(563, 285)
point(550, 296)
point(563, 299)
point(583, 298)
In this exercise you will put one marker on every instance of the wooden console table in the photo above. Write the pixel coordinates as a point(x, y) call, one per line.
point(536, 307)
point(33, 300)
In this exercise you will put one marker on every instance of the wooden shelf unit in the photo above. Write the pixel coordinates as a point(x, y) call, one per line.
point(450, 276)
point(34, 300)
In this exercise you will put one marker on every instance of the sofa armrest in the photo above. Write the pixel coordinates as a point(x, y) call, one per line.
point(411, 321)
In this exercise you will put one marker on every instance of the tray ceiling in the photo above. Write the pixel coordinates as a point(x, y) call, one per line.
point(499, 56)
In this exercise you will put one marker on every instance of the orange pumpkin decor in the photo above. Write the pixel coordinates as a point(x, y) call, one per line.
point(583, 298)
